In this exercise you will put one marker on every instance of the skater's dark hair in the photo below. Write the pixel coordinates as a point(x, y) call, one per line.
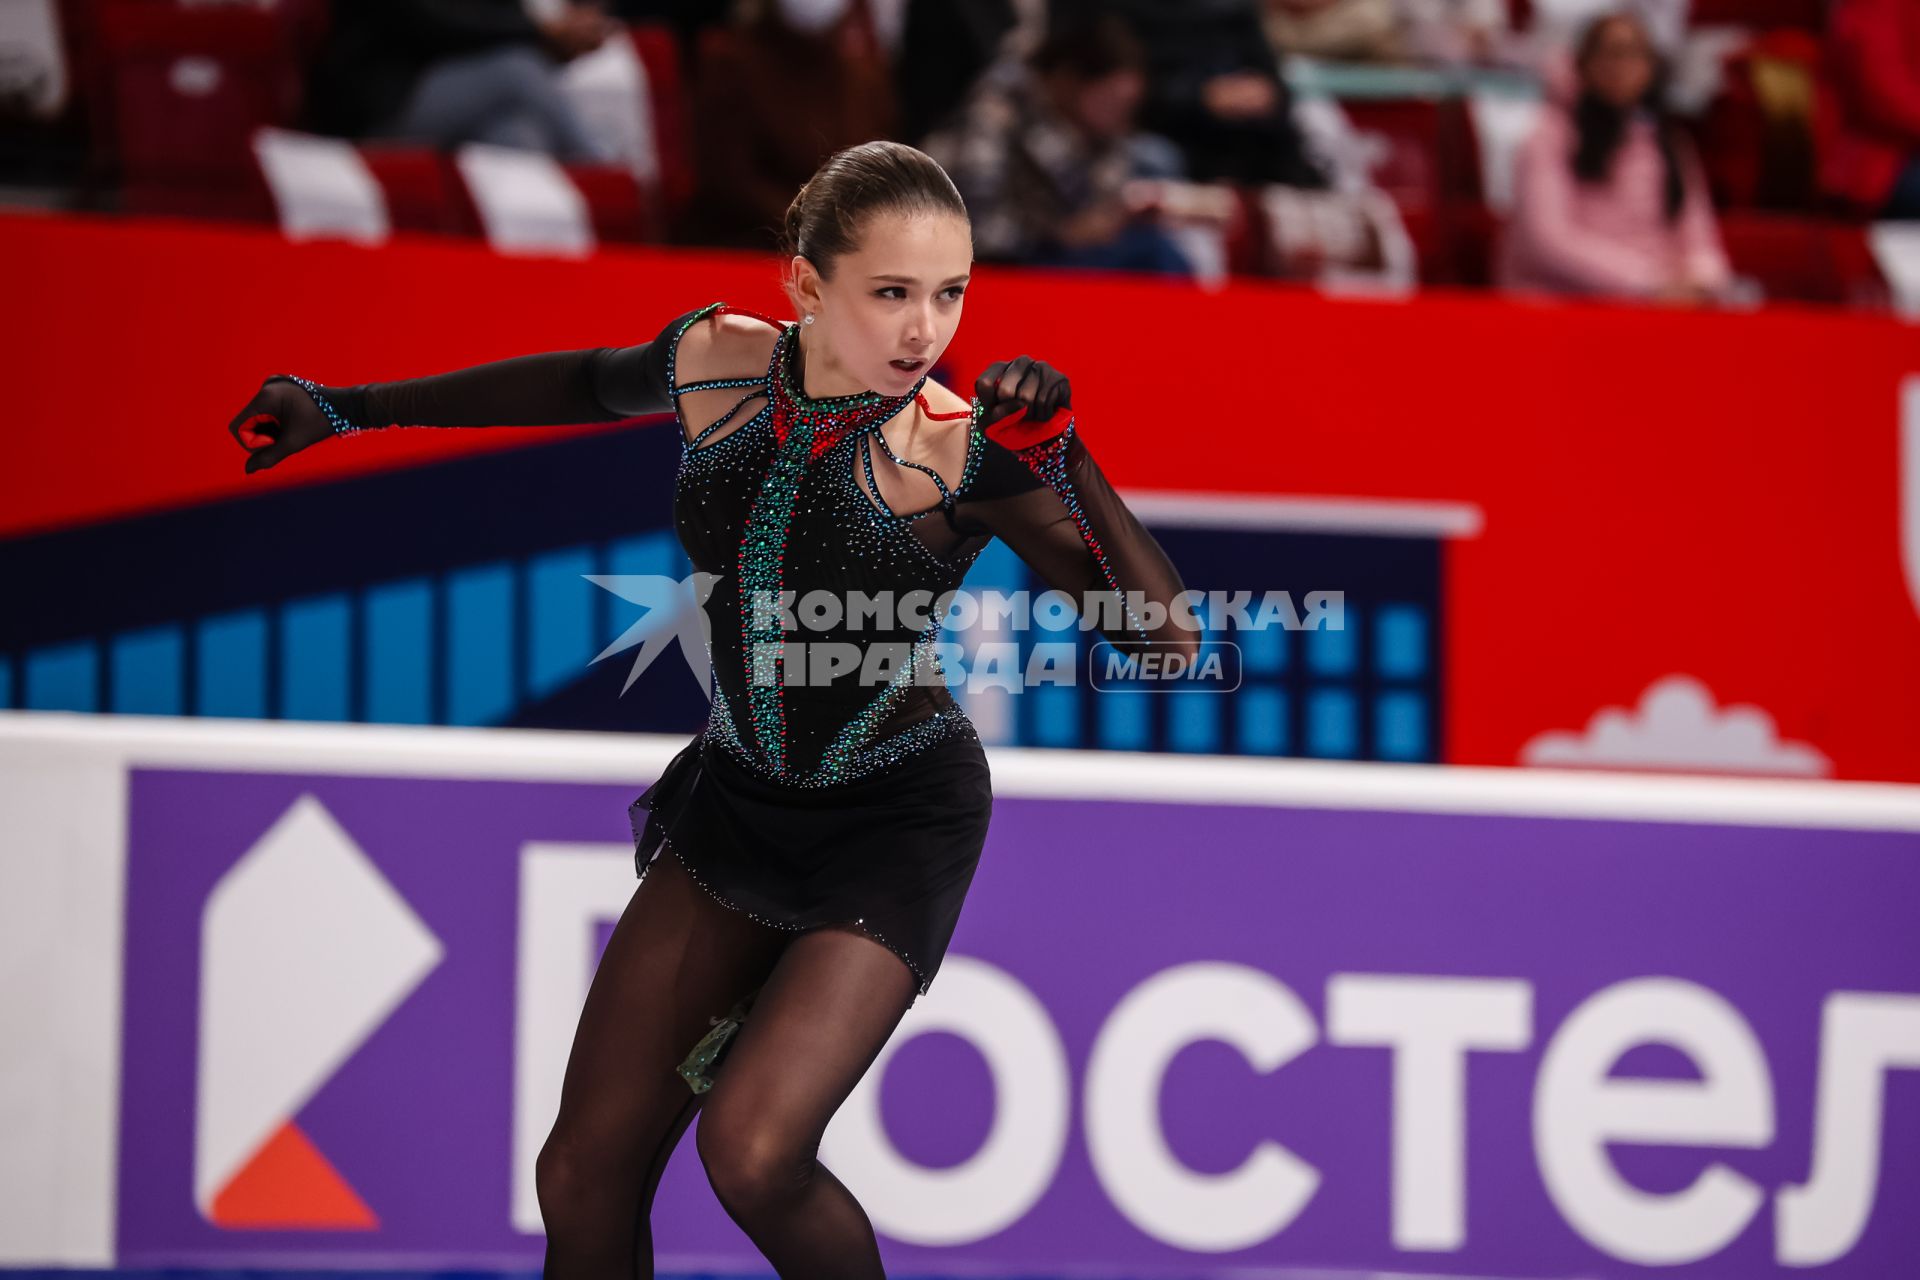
point(823, 222)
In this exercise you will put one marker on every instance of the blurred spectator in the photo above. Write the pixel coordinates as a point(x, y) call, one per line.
point(688, 19)
point(785, 85)
point(945, 45)
point(1608, 197)
point(1339, 30)
point(1447, 31)
point(1870, 122)
point(1214, 88)
point(1757, 133)
point(448, 72)
point(1558, 24)
point(1456, 31)
point(34, 59)
point(1042, 154)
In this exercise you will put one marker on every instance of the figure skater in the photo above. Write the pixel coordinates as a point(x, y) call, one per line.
point(823, 834)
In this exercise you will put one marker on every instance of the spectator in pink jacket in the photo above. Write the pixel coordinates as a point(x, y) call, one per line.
point(1608, 197)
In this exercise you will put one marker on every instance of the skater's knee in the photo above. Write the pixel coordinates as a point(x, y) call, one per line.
point(568, 1175)
point(557, 1172)
point(750, 1170)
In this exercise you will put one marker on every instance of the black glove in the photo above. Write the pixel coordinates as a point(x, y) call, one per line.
point(592, 384)
point(1009, 385)
point(280, 420)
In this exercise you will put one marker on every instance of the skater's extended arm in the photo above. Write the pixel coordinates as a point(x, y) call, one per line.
point(551, 388)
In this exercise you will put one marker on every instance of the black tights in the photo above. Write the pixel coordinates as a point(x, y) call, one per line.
point(828, 999)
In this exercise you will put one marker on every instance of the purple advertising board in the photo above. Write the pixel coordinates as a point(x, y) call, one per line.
point(1171, 1038)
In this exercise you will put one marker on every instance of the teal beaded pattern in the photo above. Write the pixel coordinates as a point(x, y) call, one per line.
point(804, 431)
point(673, 343)
point(894, 522)
point(754, 387)
point(341, 427)
point(836, 760)
point(803, 428)
point(949, 724)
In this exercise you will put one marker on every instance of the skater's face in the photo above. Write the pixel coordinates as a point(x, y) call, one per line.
point(894, 300)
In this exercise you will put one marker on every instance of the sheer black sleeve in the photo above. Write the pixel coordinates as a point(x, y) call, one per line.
point(551, 388)
point(1050, 502)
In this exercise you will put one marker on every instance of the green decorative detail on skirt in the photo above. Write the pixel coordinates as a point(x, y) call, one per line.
point(699, 1066)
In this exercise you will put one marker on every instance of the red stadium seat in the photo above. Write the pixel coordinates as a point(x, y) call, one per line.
point(1246, 238)
point(659, 52)
point(84, 24)
point(80, 41)
point(1475, 236)
point(621, 210)
point(1861, 282)
point(422, 191)
point(1788, 256)
point(236, 198)
point(1800, 259)
point(186, 87)
point(1428, 158)
point(417, 188)
point(1757, 157)
point(618, 209)
point(1760, 15)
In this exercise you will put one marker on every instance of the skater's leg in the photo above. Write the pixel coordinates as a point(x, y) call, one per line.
point(676, 959)
point(816, 1026)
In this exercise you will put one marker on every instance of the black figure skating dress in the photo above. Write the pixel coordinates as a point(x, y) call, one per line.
point(862, 799)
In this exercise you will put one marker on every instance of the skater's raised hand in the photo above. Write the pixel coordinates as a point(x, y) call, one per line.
point(281, 419)
point(1022, 385)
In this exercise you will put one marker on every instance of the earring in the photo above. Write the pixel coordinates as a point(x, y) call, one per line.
point(807, 319)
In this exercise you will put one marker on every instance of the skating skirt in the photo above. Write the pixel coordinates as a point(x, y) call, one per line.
point(890, 854)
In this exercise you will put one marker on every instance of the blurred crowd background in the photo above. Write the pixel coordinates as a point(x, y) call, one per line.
point(1691, 152)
